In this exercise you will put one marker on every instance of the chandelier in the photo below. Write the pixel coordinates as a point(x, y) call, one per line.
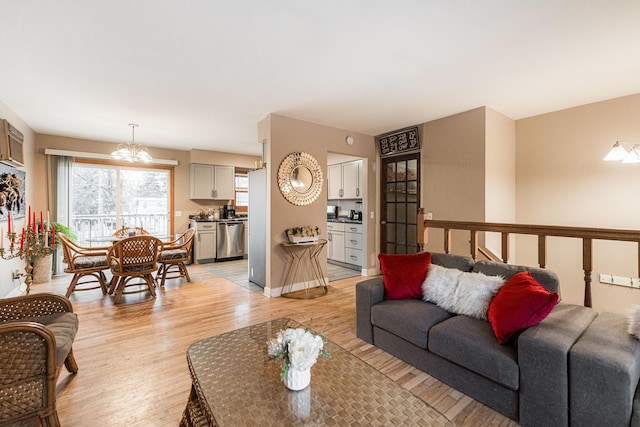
point(130, 151)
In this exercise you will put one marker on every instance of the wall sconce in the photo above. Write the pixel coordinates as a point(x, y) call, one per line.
point(621, 151)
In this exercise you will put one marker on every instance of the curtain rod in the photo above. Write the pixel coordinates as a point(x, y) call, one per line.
point(85, 155)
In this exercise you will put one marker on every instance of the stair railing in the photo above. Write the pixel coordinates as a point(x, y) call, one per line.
point(586, 234)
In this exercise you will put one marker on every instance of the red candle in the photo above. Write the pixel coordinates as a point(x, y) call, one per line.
point(34, 222)
point(41, 223)
point(53, 235)
point(9, 222)
point(22, 240)
point(29, 217)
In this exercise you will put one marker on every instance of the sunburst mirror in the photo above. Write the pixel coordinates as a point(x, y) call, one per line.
point(300, 178)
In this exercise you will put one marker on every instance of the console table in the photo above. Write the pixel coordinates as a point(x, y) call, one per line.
point(300, 254)
point(233, 384)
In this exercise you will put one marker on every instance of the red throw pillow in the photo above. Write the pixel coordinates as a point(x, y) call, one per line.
point(522, 302)
point(403, 274)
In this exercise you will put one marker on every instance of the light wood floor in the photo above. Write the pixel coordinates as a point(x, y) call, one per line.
point(133, 369)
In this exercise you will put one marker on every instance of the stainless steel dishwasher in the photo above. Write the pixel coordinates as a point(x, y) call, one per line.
point(230, 240)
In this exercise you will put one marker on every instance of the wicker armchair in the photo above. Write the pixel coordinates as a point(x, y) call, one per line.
point(124, 231)
point(130, 258)
point(84, 262)
point(36, 337)
point(173, 256)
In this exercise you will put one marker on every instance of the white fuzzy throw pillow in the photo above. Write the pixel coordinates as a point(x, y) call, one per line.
point(460, 292)
point(634, 321)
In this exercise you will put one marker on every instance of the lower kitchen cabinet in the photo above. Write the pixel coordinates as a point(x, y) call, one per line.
point(345, 243)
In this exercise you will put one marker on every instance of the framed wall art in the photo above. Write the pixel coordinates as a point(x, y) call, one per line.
point(12, 192)
point(399, 141)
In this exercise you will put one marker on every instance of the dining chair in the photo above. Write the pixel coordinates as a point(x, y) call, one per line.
point(131, 258)
point(84, 262)
point(125, 230)
point(173, 256)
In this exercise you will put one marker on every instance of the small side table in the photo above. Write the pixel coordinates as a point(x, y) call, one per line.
point(304, 254)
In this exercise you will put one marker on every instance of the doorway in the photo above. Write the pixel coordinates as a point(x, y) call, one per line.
point(399, 204)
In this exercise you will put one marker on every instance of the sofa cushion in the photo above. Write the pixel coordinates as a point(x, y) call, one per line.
point(408, 319)
point(403, 274)
point(460, 292)
point(546, 278)
point(522, 302)
point(462, 263)
point(470, 343)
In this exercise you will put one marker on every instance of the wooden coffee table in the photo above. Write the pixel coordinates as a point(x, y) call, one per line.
point(234, 383)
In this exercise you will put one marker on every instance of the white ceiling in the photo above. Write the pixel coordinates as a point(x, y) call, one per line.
point(202, 73)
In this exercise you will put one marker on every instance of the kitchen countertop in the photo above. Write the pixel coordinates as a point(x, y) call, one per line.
point(345, 220)
point(198, 219)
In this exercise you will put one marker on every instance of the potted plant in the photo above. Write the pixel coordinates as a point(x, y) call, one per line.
point(43, 265)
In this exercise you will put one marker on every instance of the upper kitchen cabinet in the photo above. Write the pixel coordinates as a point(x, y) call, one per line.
point(345, 180)
point(212, 182)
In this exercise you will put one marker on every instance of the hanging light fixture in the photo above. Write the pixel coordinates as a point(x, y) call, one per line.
point(130, 151)
point(621, 151)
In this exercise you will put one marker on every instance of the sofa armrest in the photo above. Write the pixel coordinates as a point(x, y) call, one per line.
point(368, 293)
point(34, 305)
point(604, 373)
point(543, 358)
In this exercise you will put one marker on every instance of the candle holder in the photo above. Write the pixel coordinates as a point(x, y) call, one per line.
point(33, 243)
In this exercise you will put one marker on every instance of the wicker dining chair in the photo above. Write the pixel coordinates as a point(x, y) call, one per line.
point(173, 256)
point(84, 262)
point(135, 257)
point(124, 231)
point(36, 337)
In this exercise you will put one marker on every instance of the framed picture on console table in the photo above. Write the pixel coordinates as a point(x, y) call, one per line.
point(12, 192)
point(399, 141)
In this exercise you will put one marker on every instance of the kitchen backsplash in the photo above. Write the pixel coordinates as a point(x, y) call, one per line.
point(344, 206)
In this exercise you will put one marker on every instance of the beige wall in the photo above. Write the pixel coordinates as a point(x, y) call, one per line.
point(453, 173)
point(500, 175)
point(562, 180)
point(32, 187)
point(283, 135)
point(182, 203)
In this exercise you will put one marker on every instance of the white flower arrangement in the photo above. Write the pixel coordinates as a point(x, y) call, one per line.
point(307, 233)
point(298, 348)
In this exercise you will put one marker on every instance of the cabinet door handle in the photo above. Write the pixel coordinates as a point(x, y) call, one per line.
point(353, 229)
point(341, 192)
point(330, 237)
point(353, 242)
point(358, 192)
point(354, 257)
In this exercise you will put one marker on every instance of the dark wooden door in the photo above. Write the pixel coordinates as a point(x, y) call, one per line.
point(400, 199)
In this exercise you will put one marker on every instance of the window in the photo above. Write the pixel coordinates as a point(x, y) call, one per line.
point(242, 192)
point(107, 197)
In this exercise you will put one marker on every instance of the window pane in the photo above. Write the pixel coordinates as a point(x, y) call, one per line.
point(391, 172)
point(401, 191)
point(242, 181)
point(401, 172)
point(412, 170)
point(104, 198)
point(412, 191)
point(391, 193)
point(242, 198)
point(391, 212)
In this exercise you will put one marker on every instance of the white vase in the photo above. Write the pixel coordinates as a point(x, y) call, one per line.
point(297, 380)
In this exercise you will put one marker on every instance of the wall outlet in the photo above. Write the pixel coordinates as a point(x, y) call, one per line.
point(178, 213)
point(429, 215)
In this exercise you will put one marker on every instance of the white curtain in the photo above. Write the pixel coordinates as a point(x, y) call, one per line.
point(58, 202)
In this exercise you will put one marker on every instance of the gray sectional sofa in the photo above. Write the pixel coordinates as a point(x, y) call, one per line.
point(546, 377)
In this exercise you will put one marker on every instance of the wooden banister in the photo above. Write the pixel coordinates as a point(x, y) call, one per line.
point(586, 234)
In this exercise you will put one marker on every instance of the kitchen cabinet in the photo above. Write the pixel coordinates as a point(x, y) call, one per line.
point(354, 249)
point(204, 246)
point(209, 182)
point(335, 242)
point(344, 243)
point(344, 180)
